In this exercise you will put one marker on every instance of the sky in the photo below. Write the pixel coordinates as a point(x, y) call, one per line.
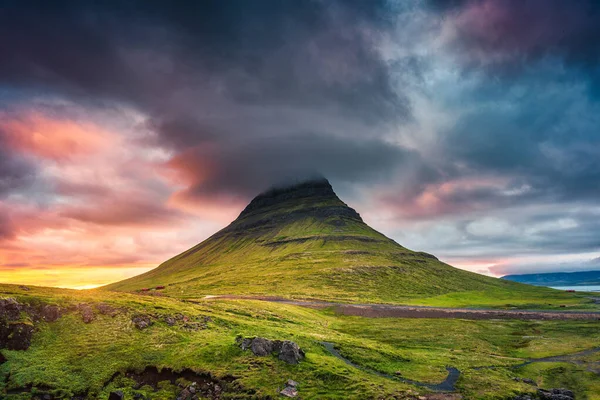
point(132, 130)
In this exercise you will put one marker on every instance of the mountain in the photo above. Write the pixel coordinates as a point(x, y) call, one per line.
point(303, 241)
point(582, 278)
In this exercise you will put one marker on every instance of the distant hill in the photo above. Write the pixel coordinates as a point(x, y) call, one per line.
point(303, 241)
point(582, 278)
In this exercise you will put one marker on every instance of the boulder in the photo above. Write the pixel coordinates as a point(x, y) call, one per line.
point(50, 313)
point(261, 346)
point(289, 391)
point(10, 309)
point(15, 336)
point(555, 394)
point(87, 314)
point(170, 320)
point(116, 395)
point(291, 353)
point(106, 309)
point(244, 343)
point(141, 321)
point(286, 350)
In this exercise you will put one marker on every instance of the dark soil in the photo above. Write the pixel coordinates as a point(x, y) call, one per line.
point(151, 376)
point(207, 385)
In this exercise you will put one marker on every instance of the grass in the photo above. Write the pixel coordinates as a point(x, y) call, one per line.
point(70, 356)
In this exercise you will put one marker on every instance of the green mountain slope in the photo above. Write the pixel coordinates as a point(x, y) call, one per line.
point(303, 241)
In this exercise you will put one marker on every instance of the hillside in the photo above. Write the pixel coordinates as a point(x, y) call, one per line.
point(302, 241)
point(581, 278)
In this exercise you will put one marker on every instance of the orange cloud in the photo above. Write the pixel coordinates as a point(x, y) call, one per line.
point(57, 139)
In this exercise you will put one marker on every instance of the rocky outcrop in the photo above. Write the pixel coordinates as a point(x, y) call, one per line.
point(142, 321)
point(548, 394)
point(195, 323)
point(556, 394)
point(116, 395)
point(525, 380)
point(290, 353)
point(15, 336)
point(290, 389)
point(106, 309)
point(10, 309)
point(285, 350)
point(86, 312)
point(50, 313)
point(15, 332)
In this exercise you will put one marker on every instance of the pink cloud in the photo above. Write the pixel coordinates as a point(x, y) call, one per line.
point(57, 139)
point(443, 198)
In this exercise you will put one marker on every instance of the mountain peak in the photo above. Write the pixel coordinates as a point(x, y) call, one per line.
point(316, 190)
point(302, 240)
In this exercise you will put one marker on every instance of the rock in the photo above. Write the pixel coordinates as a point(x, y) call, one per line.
point(87, 314)
point(244, 343)
point(185, 395)
point(138, 396)
point(291, 353)
point(285, 350)
point(261, 346)
point(194, 326)
point(289, 392)
point(15, 336)
point(141, 321)
point(10, 309)
point(529, 381)
point(116, 395)
point(291, 383)
point(555, 394)
point(170, 320)
point(106, 309)
point(25, 288)
point(50, 313)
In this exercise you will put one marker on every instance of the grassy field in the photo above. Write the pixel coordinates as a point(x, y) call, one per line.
point(68, 356)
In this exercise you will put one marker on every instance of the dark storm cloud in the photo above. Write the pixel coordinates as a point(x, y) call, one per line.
point(510, 35)
point(214, 73)
point(215, 169)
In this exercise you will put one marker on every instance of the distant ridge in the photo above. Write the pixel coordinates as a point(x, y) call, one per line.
point(302, 241)
point(581, 278)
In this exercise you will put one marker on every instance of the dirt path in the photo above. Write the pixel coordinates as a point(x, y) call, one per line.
point(394, 311)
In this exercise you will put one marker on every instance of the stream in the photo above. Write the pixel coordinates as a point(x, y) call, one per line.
point(448, 384)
